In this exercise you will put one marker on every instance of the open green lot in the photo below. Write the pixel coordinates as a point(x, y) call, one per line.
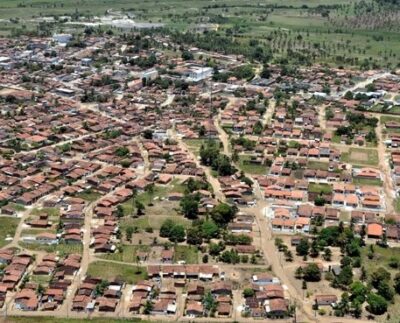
point(128, 254)
point(61, 248)
point(367, 181)
point(380, 259)
point(89, 195)
point(313, 164)
point(397, 205)
point(8, 226)
point(195, 144)
point(188, 254)
point(159, 192)
point(131, 274)
point(152, 220)
point(360, 156)
point(320, 188)
point(246, 166)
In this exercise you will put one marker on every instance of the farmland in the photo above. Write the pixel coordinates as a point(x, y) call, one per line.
point(341, 32)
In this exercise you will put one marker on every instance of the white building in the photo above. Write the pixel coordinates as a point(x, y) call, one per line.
point(62, 38)
point(196, 74)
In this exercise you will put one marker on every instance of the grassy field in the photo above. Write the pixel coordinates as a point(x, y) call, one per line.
point(189, 254)
point(320, 188)
point(131, 274)
point(250, 168)
point(61, 248)
point(50, 211)
point(397, 205)
point(40, 279)
point(360, 156)
point(128, 254)
point(194, 144)
point(89, 195)
point(159, 192)
point(8, 226)
point(381, 258)
point(152, 220)
point(367, 181)
point(312, 164)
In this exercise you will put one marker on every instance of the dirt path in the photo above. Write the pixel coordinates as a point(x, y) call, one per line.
point(267, 242)
point(385, 169)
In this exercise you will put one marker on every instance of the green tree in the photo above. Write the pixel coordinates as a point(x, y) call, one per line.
point(358, 292)
point(139, 207)
point(128, 233)
point(148, 307)
point(194, 236)
point(396, 283)
point(327, 254)
point(248, 292)
point(223, 213)
point(177, 233)
point(215, 248)
point(209, 302)
point(379, 275)
point(376, 304)
point(345, 278)
point(209, 229)
point(311, 273)
point(385, 290)
point(190, 206)
point(303, 247)
point(120, 211)
point(314, 250)
point(166, 228)
point(186, 55)
point(298, 274)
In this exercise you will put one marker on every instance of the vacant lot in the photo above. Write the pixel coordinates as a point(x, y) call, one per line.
point(128, 254)
point(61, 249)
point(320, 188)
point(7, 229)
point(248, 167)
point(194, 144)
point(188, 254)
point(360, 156)
point(160, 192)
point(367, 181)
point(312, 164)
point(89, 195)
point(153, 220)
point(131, 274)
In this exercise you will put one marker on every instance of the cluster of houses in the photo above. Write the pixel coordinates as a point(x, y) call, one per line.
point(18, 275)
point(268, 297)
point(97, 294)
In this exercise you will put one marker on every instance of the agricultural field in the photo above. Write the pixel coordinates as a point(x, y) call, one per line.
point(363, 33)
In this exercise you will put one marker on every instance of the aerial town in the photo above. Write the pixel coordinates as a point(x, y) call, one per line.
point(149, 179)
